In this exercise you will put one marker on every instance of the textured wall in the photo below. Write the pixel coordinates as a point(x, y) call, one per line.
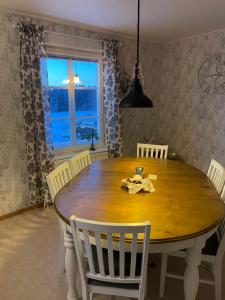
point(140, 124)
point(191, 122)
point(13, 168)
point(13, 171)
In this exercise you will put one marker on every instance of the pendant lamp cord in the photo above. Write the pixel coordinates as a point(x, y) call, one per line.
point(137, 62)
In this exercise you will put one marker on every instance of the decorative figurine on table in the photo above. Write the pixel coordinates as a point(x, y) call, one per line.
point(139, 170)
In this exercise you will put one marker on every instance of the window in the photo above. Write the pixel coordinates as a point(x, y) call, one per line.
point(75, 101)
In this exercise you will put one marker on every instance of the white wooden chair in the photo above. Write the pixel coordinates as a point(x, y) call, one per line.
point(216, 173)
point(99, 156)
point(56, 180)
point(79, 162)
point(223, 194)
point(212, 253)
point(221, 228)
point(103, 269)
point(150, 150)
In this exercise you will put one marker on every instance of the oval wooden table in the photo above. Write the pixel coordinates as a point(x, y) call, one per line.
point(184, 210)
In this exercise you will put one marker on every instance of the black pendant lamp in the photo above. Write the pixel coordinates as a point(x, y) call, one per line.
point(135, 96)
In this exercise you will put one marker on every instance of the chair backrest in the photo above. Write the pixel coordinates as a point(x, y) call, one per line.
point(150, 150)
point(216, 173)
point(99, 156)
point(223, 193)
point(86, 233)
point(221, 248)
point(221, 228)
point(79, 162)
point(59, 177)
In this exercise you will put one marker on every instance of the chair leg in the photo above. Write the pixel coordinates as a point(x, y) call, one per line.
point(141, 296)
point(218, 282)
point(62, 248)
point(146, 289)
point(86, 295)
point(163, 274)
point(146, 285)
point(213, 268)
point(62, 258)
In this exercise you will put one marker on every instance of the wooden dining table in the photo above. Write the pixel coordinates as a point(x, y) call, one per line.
point(184, 210)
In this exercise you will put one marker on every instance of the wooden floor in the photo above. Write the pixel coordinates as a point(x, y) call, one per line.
point(30, 266)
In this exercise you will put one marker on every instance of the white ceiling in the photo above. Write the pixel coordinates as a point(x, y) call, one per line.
point(160, 19)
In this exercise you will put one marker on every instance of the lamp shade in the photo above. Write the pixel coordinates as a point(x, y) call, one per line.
point(135, 97)
point(76, 79)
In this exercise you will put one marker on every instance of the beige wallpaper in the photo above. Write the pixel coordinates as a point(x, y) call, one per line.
point(13, 176)
point(191, 121)
point(13, 169)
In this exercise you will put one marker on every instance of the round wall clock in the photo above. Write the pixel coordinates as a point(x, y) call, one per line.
point(211, 75)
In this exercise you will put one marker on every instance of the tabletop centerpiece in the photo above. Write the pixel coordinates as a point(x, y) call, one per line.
point(139, 183)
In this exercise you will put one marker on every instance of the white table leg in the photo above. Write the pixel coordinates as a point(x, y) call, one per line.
point(191, 275)
point(71, 267)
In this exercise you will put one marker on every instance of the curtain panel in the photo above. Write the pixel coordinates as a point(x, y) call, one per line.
point(35, 109)
point(111, 96)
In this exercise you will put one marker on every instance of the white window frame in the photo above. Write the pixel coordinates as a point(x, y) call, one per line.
point(79, 55)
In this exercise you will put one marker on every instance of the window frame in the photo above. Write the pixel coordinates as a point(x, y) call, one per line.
point(69, 54)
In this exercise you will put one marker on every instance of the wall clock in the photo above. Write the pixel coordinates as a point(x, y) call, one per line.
point(211, 75)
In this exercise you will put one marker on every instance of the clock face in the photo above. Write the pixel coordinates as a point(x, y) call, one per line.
point(211, 75)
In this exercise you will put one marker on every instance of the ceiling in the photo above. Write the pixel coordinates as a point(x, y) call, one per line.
point(160, 19)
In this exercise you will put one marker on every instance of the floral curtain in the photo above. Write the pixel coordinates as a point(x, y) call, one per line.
point(36, 109)
point(111, 95)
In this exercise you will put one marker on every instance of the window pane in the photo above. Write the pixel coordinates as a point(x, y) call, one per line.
point(78, 115)
point(85, 103)
point(60, 132)
point(84, 130)
point(57, 72)
point(59, 103)
point(87, 71)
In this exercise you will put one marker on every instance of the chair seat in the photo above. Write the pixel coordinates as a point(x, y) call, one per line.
point(128, 286)
point(211, 246)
